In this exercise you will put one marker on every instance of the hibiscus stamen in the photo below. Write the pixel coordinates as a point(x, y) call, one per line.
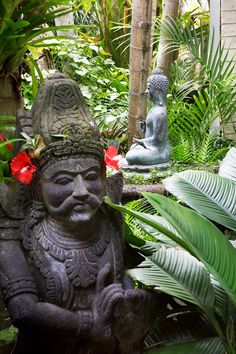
point(24, 169)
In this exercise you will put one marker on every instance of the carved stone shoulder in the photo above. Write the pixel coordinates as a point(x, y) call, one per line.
point(114, 187)
point(14, 205)
point(9, 229)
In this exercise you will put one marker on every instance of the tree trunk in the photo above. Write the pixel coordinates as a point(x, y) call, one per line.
point(10, 94)
point(139, 64)
point(165, 58)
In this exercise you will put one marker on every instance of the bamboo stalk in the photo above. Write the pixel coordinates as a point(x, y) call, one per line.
point(139, 64)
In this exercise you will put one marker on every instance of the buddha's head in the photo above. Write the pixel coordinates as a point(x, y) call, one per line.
point(157, 85)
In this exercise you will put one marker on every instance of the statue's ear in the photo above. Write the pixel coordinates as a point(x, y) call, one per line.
point(23, 125)
point(16, 202)
point(114, 187)
point(161, 99)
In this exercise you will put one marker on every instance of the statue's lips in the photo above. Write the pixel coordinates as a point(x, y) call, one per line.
point(80, 206)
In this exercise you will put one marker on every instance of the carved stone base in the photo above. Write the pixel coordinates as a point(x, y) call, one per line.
point(142, 168)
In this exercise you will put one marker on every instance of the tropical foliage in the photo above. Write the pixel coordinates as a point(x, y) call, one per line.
point(6, 147)
point(22, 27)
point(202, 83)
point(104, 86)
point(191, 150)
point(109, 24)
point(189, 257)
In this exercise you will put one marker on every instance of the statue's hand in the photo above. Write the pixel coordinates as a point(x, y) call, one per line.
point(105, 301)
point(140, 142)
point(132, 313)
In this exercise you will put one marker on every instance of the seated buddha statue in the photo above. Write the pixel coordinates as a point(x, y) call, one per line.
point(61, 256)
point(154, 148)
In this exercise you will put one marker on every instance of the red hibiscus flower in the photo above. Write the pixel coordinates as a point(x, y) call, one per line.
point(112, 158)
point(8, 146)
point(22, 168)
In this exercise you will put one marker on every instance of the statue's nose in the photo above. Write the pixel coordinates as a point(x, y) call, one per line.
point(80, 189)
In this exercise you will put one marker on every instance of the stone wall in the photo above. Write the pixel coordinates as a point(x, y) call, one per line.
point(228, 35)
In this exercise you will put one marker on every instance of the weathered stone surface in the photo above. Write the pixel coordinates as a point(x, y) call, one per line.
point(143, 168)
point(61, 256)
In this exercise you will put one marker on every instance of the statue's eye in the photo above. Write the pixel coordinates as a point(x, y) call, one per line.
point(91, 176)
point(63, 180)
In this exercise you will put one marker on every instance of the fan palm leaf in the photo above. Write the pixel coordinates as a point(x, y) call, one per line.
point(141, 229)
point(211, 195)
point(179, 274)
point(206, 241)
point(198, 235)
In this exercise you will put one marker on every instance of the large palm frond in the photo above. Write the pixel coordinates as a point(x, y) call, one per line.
point(209, 194)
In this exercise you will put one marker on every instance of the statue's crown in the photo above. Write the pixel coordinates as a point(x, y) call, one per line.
point(61, 117)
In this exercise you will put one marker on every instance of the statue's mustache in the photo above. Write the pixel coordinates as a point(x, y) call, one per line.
point(94, 201)
point(91, 200)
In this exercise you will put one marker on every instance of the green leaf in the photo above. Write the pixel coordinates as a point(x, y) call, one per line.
point(148, 219)
point(5, 167)
point(34, 79)
point(37, 68)
point(221, 300)
point(205, 240)
point(21, 24)
point(7, 127)
point(211, 195)
point(228, 165)
point(9, 141)
point(179, 274)
point(8, 335)
point(206, 346)
point(8, 4)
point(3, 118)
point(146, 246)
point(1, 174)
point(158, 236)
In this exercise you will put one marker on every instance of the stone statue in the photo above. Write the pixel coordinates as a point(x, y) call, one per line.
point(61, 247)
point(154, 148)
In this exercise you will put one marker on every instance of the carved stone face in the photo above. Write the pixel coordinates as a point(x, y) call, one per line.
point(156, 95)
point(152, 92)
point(73, 190)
